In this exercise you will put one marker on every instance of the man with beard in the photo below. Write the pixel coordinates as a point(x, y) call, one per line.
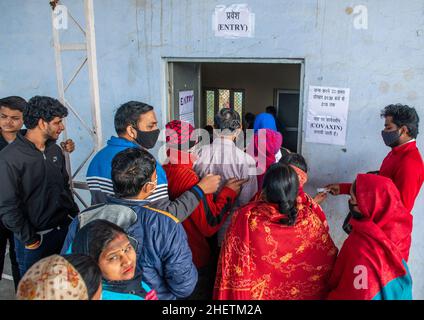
point(36, 201)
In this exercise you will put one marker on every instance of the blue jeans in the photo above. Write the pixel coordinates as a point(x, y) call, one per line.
point(51, 244)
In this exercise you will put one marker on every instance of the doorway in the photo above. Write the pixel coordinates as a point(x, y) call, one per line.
point(246, 86)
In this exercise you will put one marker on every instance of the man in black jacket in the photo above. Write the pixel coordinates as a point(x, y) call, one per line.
point(36, 202)
point(11, 122)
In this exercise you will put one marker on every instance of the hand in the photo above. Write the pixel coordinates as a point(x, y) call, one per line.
point(235, 184)
point(68, 145)
point(320, 197)
point(210, 183)
point(334, 189)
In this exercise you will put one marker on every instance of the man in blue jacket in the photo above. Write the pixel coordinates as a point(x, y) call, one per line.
point(163, 253)
point(137, 127)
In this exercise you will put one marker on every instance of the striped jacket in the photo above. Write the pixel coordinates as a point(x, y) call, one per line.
point(99, 180)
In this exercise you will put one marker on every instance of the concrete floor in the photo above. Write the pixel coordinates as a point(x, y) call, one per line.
point(7, 290)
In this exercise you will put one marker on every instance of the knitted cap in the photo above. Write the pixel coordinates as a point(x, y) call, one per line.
point(178, 132)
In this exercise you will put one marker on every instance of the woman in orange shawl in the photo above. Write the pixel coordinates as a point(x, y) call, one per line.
point(277, 248)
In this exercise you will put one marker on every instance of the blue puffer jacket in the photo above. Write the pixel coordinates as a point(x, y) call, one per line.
point(163, 253)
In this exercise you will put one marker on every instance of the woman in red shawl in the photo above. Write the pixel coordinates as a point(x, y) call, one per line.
point(266, 144)
point(372, 261)
point(277, 248)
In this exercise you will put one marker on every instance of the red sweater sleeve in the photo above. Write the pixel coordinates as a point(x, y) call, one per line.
point(345, 188)
point(213, 211)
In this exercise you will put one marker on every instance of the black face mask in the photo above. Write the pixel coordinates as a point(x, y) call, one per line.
point(147, 139)
point(391, 138)
point(347, 227)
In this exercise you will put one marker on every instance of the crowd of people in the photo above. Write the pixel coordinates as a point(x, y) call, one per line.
point(216, 220)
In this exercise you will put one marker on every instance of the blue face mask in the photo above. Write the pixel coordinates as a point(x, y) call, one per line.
point(391, 138)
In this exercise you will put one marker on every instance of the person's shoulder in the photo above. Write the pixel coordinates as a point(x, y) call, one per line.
point(203, 150)
point(8, 153)
point(107, 151)
point(247, 157)
point(357, 239)
point(416, 154)
point(160, 171)
point(203, 156)
point(56, 148)
point(103, 156)
point(161, 215)
point(413, 157)
point(3, 143)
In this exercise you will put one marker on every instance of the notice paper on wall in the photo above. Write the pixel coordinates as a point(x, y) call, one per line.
point(327, 115)
point(234, 21)
point(186, 106)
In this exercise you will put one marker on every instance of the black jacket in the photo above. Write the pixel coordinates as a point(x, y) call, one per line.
point(34, 189)
point(3, 143)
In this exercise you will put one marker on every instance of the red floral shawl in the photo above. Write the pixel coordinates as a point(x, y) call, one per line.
point(264, 259)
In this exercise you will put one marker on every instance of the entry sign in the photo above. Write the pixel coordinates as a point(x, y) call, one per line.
point(186, 106)
point(327, 115)
point(234, 21)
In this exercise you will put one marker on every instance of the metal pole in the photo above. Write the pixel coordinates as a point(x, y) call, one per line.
point(60, 89)
point(92, 72)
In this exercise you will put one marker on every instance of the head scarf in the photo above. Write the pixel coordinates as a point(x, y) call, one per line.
point(264, 121)
point(178, 132)
point(265, 145)
point(381, 206)
point(178, 135)
point(52, 278)
point(379, 242)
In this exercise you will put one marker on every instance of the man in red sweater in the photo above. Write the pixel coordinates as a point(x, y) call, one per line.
point(212, 211)
point(404, 164)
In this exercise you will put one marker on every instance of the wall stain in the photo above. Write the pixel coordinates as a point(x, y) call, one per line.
point(384, 87)
point(408, 74)
point(398, 87)
point(412, 95)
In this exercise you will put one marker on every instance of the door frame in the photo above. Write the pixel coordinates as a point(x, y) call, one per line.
point(277, 91)
point(167, 89)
